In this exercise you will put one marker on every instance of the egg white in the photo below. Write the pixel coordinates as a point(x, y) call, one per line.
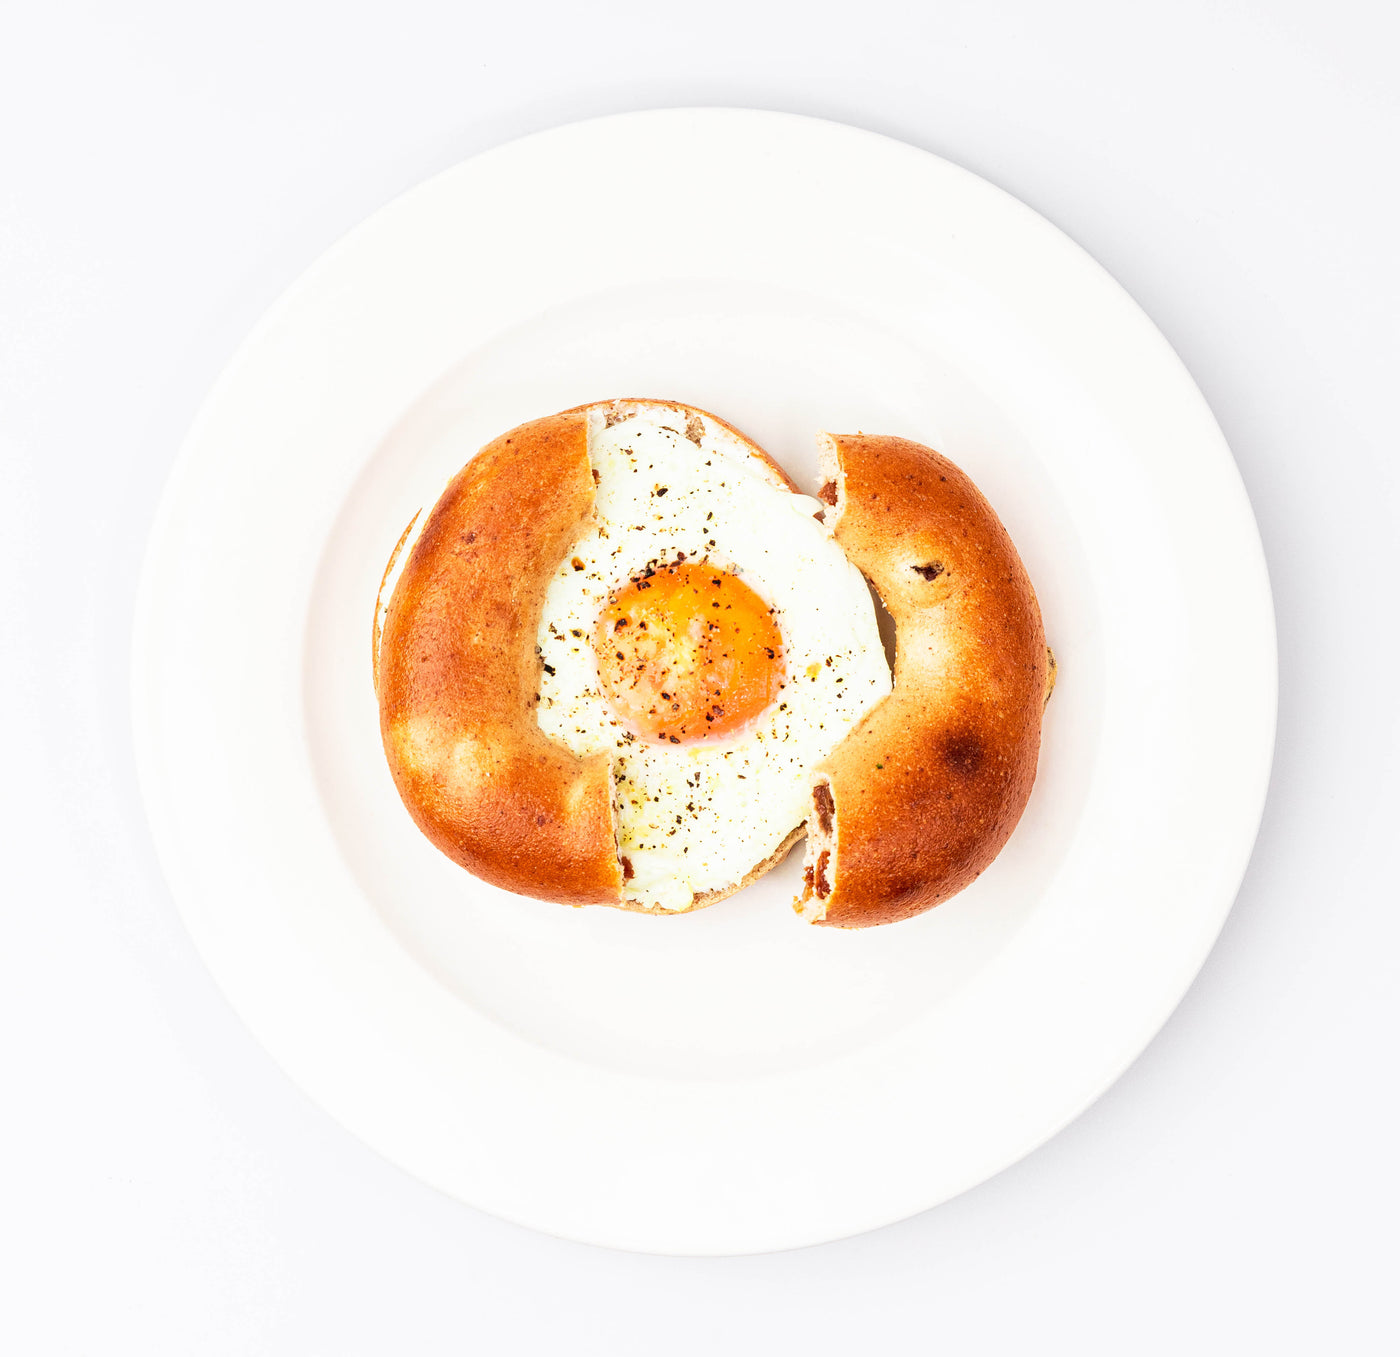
point(699, 817)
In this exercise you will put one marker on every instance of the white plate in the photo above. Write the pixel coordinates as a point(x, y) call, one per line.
point(734, 1080)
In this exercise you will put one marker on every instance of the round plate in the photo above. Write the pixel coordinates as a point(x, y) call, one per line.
point(733, 1080)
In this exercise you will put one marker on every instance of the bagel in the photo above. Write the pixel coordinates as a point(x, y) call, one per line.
point(917, 800)
point(565, 717)
point(457, 674)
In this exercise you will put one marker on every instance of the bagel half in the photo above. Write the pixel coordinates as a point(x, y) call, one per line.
point(919, 798)
point(457, 675)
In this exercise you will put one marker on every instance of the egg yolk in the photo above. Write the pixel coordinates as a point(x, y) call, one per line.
point(687, 652)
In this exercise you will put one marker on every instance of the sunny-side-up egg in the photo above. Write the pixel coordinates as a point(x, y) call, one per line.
point(710, 634)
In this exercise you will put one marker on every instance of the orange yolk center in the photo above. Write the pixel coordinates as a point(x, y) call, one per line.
point(687, 652)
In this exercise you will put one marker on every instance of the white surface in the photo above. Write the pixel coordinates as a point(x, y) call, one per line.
point(460, 1031)
point(167, 1190)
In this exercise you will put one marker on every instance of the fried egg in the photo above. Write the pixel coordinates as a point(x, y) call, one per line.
point(710, 636)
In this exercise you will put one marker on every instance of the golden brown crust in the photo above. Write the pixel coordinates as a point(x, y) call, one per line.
point(929, 786)
point(458, 675)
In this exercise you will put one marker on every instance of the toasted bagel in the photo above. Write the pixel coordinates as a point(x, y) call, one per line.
point(908, 808)
point(919, 798)
point(458, 676)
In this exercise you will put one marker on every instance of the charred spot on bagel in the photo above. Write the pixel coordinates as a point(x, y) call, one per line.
point(964, 753)
point(930, 572)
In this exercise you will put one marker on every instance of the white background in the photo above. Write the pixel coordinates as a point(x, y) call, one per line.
point(166, 170)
